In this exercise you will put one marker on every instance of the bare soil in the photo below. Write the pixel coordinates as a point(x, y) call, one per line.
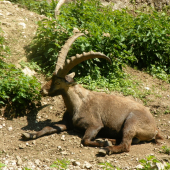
point(19, 26)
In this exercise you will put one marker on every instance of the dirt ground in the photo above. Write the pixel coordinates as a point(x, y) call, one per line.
point(19, 26)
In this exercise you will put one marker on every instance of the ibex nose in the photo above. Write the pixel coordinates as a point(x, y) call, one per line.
point(43, 92)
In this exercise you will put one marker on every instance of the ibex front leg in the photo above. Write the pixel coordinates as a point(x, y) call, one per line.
point(57, 128)
point(90, 134)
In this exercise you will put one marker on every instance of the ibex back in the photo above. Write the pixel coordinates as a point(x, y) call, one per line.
point(119, 117)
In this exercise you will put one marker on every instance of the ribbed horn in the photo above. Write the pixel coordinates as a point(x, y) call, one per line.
point(75, 60)
point(57, 12)
point(63, 53)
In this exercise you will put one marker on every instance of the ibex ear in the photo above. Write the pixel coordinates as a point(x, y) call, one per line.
point(70, 77)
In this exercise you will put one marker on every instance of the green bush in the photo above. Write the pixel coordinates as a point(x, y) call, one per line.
point(4, 50)
point(60, 164)
point(41, 7)
point(141, 41)
point(18, 92)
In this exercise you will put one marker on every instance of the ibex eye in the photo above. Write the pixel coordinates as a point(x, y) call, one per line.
point(57, 83)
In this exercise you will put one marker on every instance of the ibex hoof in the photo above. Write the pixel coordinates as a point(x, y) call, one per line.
point(27, 136)
point(104, 151)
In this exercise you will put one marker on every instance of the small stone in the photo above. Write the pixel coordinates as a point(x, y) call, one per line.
point(75, 163)
point(19, 161)
point(59, 148)
point(63, 138)
point(10, 128)
point(22, 24)
point(100, 160)
point(5, 2)
point(64, 153)
point(27, 144)
point(147, 88)
point(22, 146)
point(87, 165)
point(37, 162)
point(139, 166)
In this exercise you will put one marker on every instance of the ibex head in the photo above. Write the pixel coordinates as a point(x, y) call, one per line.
point(60, 80)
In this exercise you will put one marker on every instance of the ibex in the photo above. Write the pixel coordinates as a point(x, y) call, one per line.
point(117, 117)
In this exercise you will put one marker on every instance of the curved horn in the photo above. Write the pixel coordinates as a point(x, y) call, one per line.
point(75, 60)
point(57, 12)
point(63, 53)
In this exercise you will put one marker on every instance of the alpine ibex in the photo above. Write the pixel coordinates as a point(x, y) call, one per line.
point(117, 117)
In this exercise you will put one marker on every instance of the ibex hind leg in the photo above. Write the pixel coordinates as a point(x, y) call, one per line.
point(129, 133)
point(45, 131)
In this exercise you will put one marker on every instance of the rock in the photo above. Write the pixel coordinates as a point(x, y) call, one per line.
point(63, 138)
point(37, 162)
point(22, 146)
point(75, 163)
point(147, 88)
point(160, 166)
point(6, 24)
point(59, 148)
point(5, 2)
point(22, 24)
point(64, 153)
point(139, 166)
point(87, 165)
point(27, 144)
point(10, 128)
point(100, 160)
point(34, 142)
point(19, 161)
point(28, 72)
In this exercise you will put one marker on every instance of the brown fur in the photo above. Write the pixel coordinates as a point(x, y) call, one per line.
point(117, 117)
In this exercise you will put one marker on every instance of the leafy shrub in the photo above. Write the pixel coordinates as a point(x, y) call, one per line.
point(3, 48)
point(17, 91)
point(159, 73)
point(108, 166)
point(60, 164)
point(141, 41)
point(148, 38)
point(2, 165)
point(149, 163)
point(41, 7)
point(52, 34)
point(166, 150)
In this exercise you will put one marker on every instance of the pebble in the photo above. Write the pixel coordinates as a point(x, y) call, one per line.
point(22, 146)
point(63, 138)
point(19, 160)
point(87, 165)
point(10, 128)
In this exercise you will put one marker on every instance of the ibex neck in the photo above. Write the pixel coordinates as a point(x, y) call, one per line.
point(74, 97)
